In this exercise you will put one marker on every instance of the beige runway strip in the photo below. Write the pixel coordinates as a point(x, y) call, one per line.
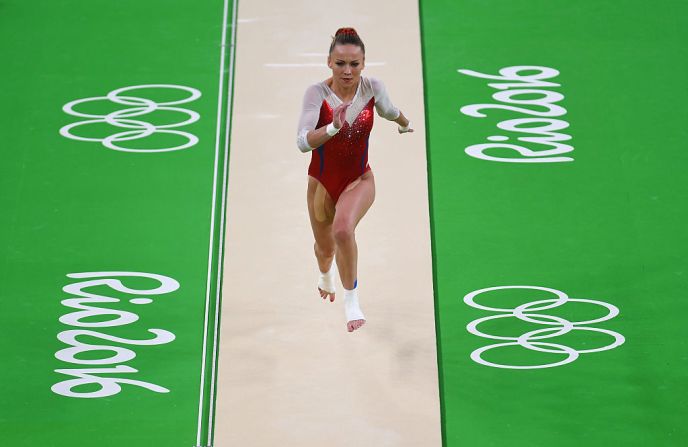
point(290, 374)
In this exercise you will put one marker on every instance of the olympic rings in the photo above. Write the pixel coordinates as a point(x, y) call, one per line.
point(557, 326)
point(137, 129)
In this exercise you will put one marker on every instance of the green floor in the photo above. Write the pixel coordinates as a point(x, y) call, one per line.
point(74, 206)
point(607, 226)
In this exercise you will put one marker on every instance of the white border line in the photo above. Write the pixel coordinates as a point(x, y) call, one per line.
point(228, 120)
point(316, 64)
point(212, 222)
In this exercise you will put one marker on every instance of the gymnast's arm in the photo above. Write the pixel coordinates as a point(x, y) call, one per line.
point(385, 108)
point(308, 136)
point(402, 121)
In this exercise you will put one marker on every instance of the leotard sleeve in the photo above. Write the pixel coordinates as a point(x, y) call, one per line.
point(383, 104)
point(310, 113)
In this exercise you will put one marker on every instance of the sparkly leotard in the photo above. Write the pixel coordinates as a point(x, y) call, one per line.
point(344, 157)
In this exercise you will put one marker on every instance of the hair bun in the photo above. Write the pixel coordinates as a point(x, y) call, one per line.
point(346, 31)
point(345, 36)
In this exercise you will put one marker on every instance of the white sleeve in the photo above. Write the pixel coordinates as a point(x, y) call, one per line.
point(383, 104)
point(310, 113)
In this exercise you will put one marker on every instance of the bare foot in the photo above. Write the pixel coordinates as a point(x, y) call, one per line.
point(326, 285)
point(324, 294)
point(354, 324)
point(354, 317)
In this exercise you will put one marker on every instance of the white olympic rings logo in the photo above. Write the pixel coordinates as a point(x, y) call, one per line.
point(527, 313)
point(139, 129)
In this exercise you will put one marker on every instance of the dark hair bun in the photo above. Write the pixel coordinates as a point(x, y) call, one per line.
point(345, 36)
point(346, 31)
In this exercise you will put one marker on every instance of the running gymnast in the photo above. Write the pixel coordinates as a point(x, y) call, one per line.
point(335, 124)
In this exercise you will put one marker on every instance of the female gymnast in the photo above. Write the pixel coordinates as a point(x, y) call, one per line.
point(335, 124)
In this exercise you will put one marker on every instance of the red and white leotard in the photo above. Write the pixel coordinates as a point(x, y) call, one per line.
point(344, 157)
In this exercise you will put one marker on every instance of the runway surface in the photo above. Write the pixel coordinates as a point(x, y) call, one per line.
point(290, 373)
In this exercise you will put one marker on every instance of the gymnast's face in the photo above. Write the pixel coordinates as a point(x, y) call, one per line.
point(346, 62)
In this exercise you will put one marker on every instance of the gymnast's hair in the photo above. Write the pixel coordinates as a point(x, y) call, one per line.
point(345, 36)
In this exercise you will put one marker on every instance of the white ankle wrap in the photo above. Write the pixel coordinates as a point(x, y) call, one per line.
point(351, 307)
point(326, 281)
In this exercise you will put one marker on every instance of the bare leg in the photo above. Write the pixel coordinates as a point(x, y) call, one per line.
point(351, 207)
point(321, 214)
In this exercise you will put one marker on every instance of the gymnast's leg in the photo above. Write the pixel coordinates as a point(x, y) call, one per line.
point(352, 205)
point(321, 214)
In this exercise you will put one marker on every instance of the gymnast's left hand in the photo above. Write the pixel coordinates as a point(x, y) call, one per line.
point(408, 128)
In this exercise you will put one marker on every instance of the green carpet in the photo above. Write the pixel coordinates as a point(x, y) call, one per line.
point(74, 203)
point(608, 225)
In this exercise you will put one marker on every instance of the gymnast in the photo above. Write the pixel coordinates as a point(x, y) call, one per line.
point(335, 125)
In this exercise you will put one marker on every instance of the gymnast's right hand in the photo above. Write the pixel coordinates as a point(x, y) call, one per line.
point(339, 113)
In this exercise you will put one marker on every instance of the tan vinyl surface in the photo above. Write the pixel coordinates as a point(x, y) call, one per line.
point(290, 374)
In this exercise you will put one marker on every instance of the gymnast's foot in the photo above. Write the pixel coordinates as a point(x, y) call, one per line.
point(355, 324)
point(326, 284)
point(354, 317)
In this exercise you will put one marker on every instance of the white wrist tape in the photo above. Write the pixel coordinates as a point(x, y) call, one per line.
point(331, 130)
point(405, 129)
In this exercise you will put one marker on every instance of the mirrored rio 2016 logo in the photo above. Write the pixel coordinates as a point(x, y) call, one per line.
point(128, 118)
point(555, 326)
